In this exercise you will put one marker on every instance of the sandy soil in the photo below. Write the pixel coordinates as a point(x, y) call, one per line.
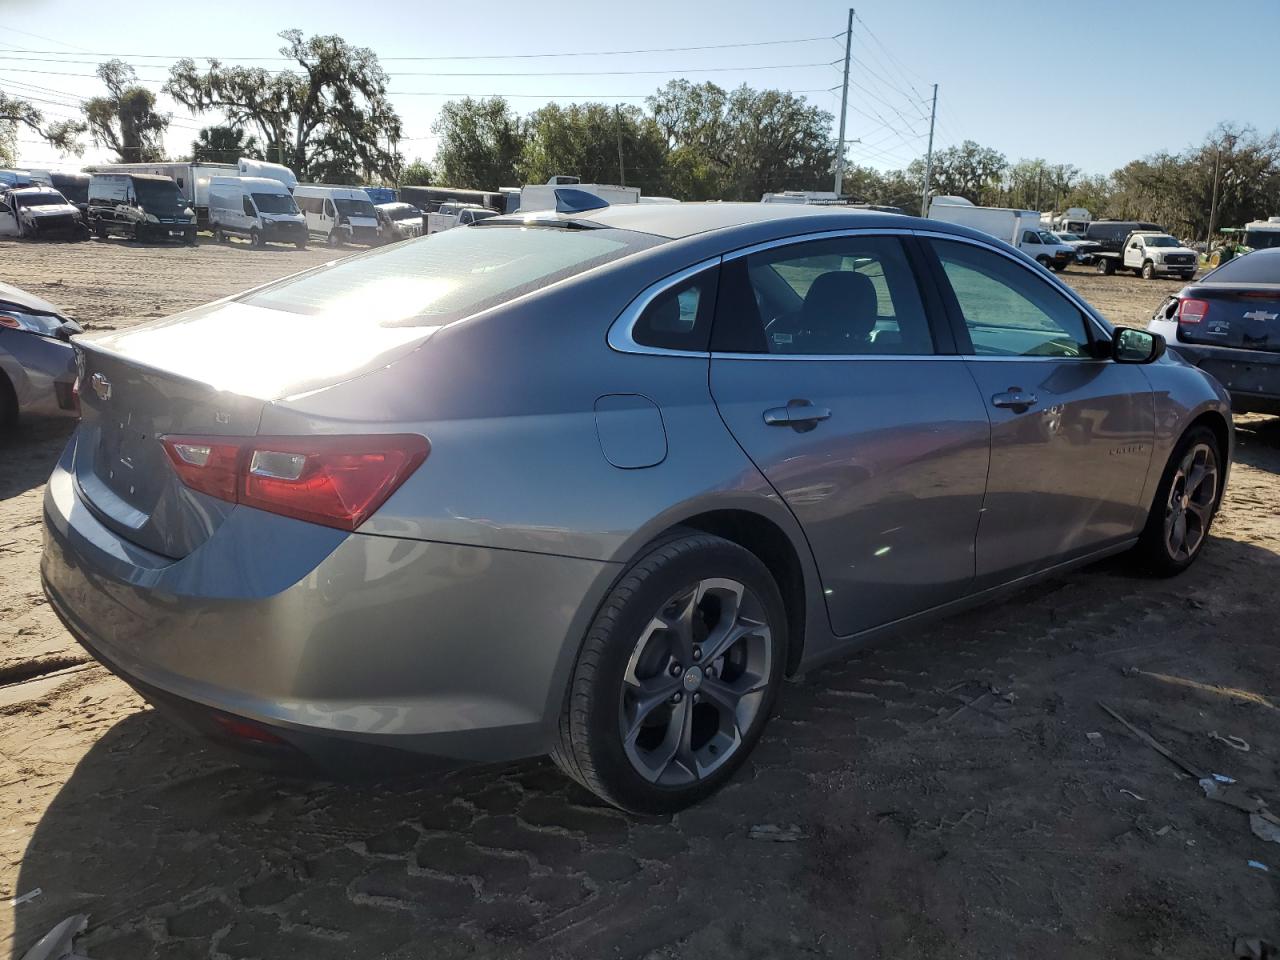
point(947, 794)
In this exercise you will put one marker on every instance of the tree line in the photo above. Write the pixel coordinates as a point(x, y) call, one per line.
point(329, 117)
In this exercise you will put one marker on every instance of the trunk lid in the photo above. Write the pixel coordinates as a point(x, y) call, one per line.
point(1245, 317)
point(207, 372)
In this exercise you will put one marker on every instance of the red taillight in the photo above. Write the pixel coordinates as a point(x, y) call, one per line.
point(207, 464)
point(1192, 311)
point(245, 729)
point(335, 481)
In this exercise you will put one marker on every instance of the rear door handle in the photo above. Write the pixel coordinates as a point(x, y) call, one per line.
point(1015, 399)
point(799, 414)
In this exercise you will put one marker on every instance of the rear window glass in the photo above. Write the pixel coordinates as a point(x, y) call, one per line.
point(1260, 267)
point(449, 275)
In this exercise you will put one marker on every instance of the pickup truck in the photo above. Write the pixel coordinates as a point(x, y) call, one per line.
point(453, 214)
point(1150, 254)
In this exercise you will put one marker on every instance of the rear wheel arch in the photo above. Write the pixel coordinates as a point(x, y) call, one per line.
point(772, 547)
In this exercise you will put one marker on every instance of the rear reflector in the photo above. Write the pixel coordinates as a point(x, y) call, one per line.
point(239, 729)
point(1192, 311)
point(336, 481)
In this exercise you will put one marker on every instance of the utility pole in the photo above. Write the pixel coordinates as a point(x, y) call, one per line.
point(928, 160)
point(1213, 203)
point(844, 105)
point(617, 122)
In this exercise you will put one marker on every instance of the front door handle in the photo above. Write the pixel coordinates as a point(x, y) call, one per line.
point(801, 415)
point(1015, 399)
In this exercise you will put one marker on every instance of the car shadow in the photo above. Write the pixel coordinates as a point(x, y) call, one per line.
point(908, 798)
point(1258, 442)
point(28, 454)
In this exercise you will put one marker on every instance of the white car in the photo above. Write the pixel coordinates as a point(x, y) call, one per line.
point(39, 213)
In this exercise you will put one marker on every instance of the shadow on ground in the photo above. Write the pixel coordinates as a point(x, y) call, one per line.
point(948, 801)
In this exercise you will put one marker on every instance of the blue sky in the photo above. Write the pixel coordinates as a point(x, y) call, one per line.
point(1092, 82)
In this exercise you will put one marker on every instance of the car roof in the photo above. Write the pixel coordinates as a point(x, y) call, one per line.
point(30, 191)
point(677, 220)
point(26, 301)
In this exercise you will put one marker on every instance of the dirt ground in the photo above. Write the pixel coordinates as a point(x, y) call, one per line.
point(957, 793)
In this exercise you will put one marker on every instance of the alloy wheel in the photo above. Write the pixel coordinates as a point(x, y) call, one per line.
point(695, 682)
point(1192, 497)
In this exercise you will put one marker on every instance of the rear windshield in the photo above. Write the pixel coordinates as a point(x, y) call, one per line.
point(274, 203)
point(1260, 267)
point(449, 275)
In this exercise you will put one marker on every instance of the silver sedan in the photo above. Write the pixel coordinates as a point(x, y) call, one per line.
point(37, 364)
point(592, 483)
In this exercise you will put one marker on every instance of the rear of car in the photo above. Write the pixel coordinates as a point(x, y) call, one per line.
point(249, 524)
point(1228, 324)
point(37, 366)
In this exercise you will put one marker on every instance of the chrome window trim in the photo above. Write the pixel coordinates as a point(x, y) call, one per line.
point(839, 356)
point(620, 337)
point(819, 235)
point(620, 333)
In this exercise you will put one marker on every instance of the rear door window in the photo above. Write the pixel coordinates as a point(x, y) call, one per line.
point(846, 296)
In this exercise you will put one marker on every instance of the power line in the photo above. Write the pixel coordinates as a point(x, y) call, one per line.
point(498, 73)
point(889, 53)
point(472, 56)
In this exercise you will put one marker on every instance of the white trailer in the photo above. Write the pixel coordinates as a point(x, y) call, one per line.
point(1073, 220)
point(270, 171)
point(1262, 234)
point(192, 179)
point(1019, 228)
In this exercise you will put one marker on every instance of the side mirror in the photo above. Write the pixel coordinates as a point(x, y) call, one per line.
point(1130, 345)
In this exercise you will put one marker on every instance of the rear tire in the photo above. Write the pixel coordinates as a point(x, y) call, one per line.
point(219, 236)
point(100, 229)
point(677, 676)
point(1185, 505)
point(1106, 267)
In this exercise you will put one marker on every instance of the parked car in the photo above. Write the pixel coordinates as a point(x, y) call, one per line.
point(37, 364)
point(399, 221)
point(40, 213)
point(451, 214)
point(591, 484)
point(1085, 249)
point(1228, 324)
point(139, 206)
point(337, 215)
point(259, 209)
point(1020, 228)
point(1150, 254)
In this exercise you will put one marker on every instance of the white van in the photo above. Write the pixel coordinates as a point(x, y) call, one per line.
point(256, 208)
point(1021, 228)
point(337, 215)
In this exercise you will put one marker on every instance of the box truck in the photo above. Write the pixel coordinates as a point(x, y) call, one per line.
point(1020, 228)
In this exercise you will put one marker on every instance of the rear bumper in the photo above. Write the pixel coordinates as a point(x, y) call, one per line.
point(1252, 377)
point(346, 647)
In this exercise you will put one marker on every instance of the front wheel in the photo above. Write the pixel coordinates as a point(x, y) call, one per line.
point(219, 235)
point(1044, 262)
point(334, 239)
point(300, 244)
point(255, 239)
point(1185, 504)
point(99, 229)
point(1148, 271)
point(677, 676)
